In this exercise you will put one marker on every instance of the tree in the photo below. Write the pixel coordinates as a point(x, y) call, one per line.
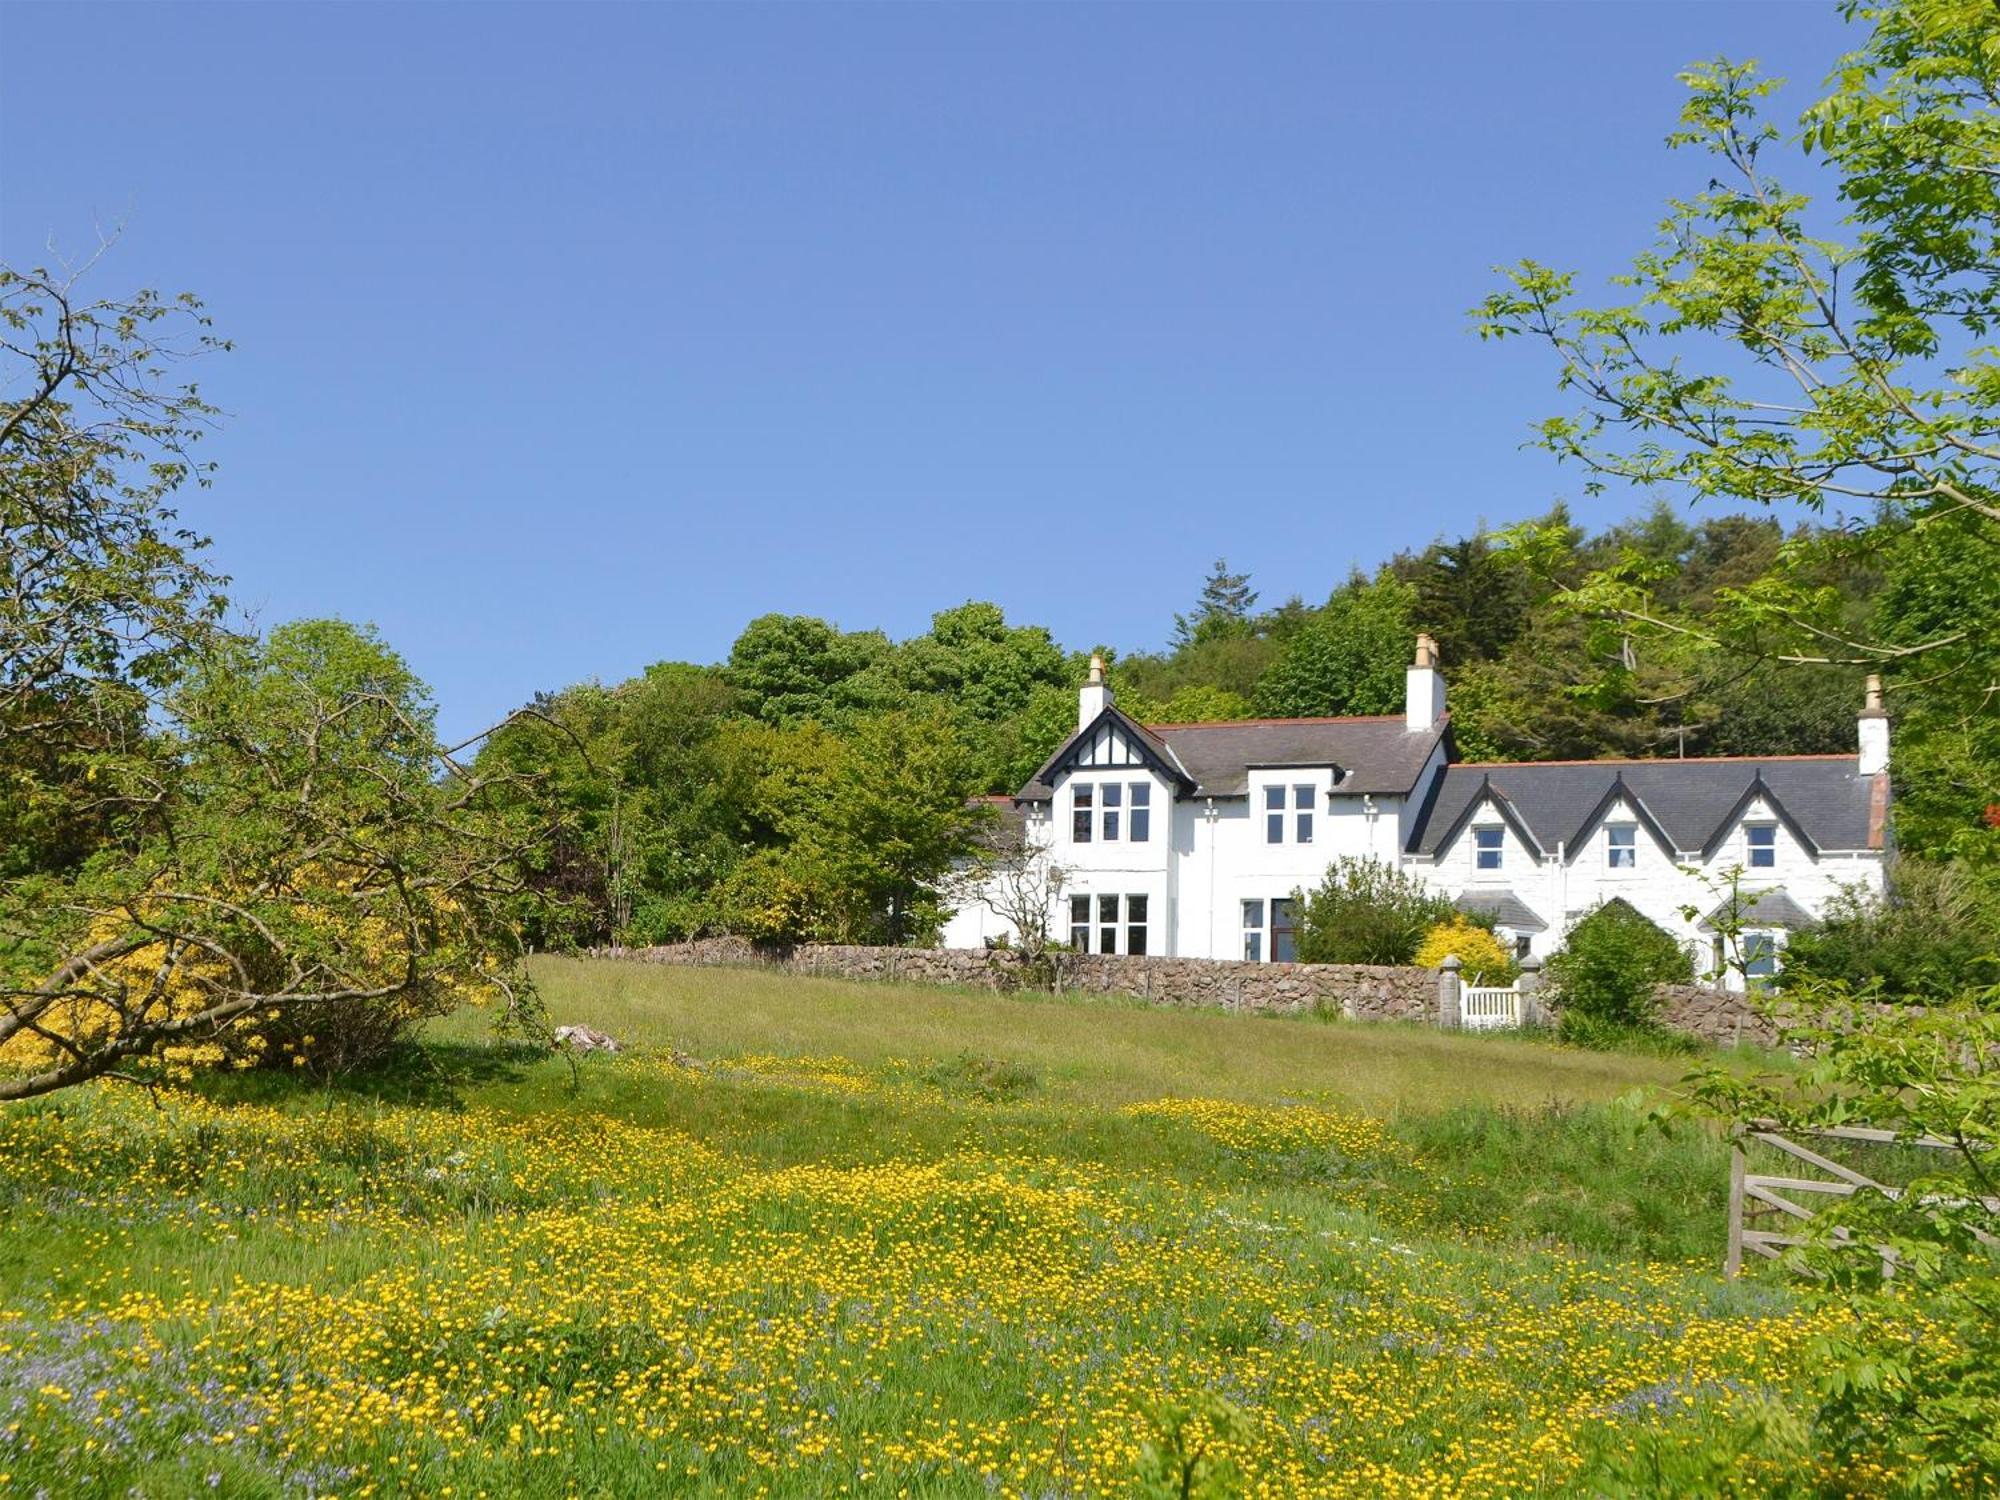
point(1222, 611)
point(1367, 912)
point(301, 870)
point(1610, 961)
point(790, 668)
point(1348, 659)
point(1017, 879)
point(1762, 360)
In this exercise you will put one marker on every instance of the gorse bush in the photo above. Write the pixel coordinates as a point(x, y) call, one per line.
point(1608, 966)
point(1366, 912)
point(1485, 957)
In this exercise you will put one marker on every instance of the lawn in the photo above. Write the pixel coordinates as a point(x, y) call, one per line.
point(812, 1238)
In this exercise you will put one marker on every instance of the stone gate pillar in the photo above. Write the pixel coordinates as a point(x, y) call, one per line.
point(1450, 994)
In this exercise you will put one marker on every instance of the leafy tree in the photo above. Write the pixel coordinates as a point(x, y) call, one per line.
point(1222, 611)
point(1348, 659)
point(1609, 963)
point(791, 668)
point(1902, 1379)
point(1761, 359)
point(1936, 932)
point(1367, 912)
point(1471, 595)
point(304, 872)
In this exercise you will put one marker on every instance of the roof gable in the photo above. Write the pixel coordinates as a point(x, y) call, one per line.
point(1110, 742)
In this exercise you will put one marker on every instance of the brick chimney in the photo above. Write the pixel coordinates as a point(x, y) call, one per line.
point(1423, 687)
point(1873, 724)
point(1094, 696)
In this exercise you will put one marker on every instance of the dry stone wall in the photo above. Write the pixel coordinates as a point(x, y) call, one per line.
point(1358, 991)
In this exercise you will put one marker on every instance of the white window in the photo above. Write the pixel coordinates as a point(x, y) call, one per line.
point(1107, 924)
point(1274, 815)
point(1486, 847)
point(1113, 795)
point(1302, 809)
point(1763, 841)
point(1760, 955)
point(1135, 925)
point(1079, 923)
point(1621, 842)
point(1142, 812)
point(1253, 931)
point(1080, 803)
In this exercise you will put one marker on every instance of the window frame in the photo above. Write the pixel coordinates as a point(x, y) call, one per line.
point(1139, 812)
point(1079, 925)
point(1107, 925)
point(1768, 848)
point(1274, 815)
point(1138, 908)
point(1082, 811)
point(1284, 929)
point(1251, 913)
point(1304, 804)
point(1110, 810)
point(1481, 849)
point(1621, 839)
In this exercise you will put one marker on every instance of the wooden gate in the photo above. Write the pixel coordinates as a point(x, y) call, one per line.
point(1757, 1199)
point(1489, 1008)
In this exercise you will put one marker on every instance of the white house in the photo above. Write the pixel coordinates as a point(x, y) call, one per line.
point(1193, 840)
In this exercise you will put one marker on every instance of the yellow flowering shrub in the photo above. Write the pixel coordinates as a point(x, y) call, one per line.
point(1485, 957)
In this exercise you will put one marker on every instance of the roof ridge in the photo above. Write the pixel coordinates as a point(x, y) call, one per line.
point(1662, 760)
point(1265, 723)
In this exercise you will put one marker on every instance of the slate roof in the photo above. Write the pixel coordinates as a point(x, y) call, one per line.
point(1689, 804)
point(1376, 755)
point(1774, 908)
point(1504, 907)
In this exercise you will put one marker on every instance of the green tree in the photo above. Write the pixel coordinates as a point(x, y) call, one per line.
point(1348, 658)
point(1367, 912)
point(1222, 611)
point(1606, 971)
point(1758, 357)
point(302, 864)
point(791, 668)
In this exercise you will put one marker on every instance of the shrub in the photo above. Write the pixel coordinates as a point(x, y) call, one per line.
point(1485, 957)
point(1608, 966)
point(1366, 912)
point(1936, 932)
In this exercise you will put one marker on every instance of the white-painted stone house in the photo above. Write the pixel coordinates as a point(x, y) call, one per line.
point(1193, 840)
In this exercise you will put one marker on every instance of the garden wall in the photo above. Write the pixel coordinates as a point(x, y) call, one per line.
point(1360, 992)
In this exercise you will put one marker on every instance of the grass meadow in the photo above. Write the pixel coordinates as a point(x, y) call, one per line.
point(809, 1238)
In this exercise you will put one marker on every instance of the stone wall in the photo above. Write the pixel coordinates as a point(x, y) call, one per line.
point(1358, 991)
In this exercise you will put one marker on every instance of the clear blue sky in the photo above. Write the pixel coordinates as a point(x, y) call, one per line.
point(572, 337)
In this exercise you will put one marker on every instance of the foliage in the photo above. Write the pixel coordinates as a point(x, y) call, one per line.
point(1222, 611)
point(304, 867)
point(1487, 960)
point(1760, 358)
point(1611, 959)
point(791, 668)
point(1348, 658)
point(1367, 912)
point(1906, 1381)
point(1935, 933)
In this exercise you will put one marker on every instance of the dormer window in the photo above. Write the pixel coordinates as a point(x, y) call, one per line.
point(1621, 846)
point(1762, 839)
point(1486, 847)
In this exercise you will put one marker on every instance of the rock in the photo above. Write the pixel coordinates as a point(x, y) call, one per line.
point(585, 1039)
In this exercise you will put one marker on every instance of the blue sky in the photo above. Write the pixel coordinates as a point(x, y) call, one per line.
point(570, 338)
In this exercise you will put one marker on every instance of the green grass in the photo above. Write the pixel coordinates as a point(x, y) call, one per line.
point(811, 1236)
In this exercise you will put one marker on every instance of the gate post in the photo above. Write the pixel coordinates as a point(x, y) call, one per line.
point(1531, 1011)
point(1732, 1265)
point(1450, 1012)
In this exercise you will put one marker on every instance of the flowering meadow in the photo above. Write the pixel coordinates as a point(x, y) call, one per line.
point(767, 1273)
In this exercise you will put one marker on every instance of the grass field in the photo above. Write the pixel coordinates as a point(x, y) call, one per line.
point(812, 1238)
